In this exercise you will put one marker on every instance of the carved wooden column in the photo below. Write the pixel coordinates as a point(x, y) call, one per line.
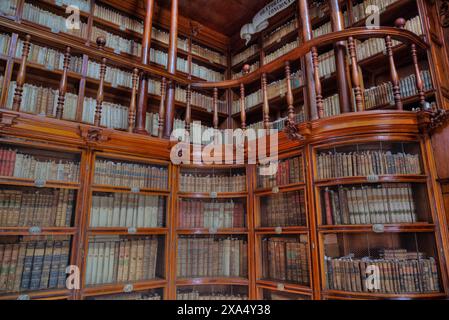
point(394, 74)
point(172, 56)
point(340, 58)
point(63, 85)
point(101, 42)
point(132, 104)
point(143, 87)
point(266, 106)
point(188, 107)
point(310, 97)
point(290, 100)
point(242, 107)
point(318, 90)
point(419, 81)
point(162, 107)
point(355, 75)
point(215, 120)
point(17, 101)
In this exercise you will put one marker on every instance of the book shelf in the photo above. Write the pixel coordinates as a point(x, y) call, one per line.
point(374, 211)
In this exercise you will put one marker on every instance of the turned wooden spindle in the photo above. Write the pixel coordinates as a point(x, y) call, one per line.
point(290, 100)
point(266, 106)
point(215, 119)
point(17, 100)
point(419, 81)
point(355, 75)
point(101, 43)
point(63, 84)
point(245, 70)
point(162, 107)
point(133, 103)
point(318, 90)
point(394, 74)
point(188, 107)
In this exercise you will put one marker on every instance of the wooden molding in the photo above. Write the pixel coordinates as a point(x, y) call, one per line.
point(92, 135)
point(7, 119)
point(431, 120)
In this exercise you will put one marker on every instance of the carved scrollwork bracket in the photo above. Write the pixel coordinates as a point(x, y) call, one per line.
point(7, 120)
point(94, 136)
point(431, 120)
point(292, 131)
point(444, 13)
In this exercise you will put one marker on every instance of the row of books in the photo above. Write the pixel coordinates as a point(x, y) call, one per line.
point(52, 21)
point(283, 210)
point(164, 37)
point(212, 257)
point(364, 163)
point(34, 264)
point(50, 58)
point(359, 11)
point(327, 27)
point(129, 296)
point(8, 7)
point(113, 115)
point(48, 208)
point(1, 83)
point(331, 106)
point(278, 124)
point(83, 5)
point(383, 94)
point(394, 276)
point(211, 214)
point(152, 123)
point(121, 20)
point(127, 210)
point(131, 175)
point(281, 51)
point(116, 260)
point(286, 259)
point(373, 46)
point(194, 295)
point(326, 64)
point(116, 42)
point(280, 32)
point(245, 54)
point(5, 41)
point(289, 171)
point(209, 54)
point(116, 77)
point(213, 182)
point(274, 89)
point(196, 126)
point(14, 163)
point(387, 203)
point(200, 100)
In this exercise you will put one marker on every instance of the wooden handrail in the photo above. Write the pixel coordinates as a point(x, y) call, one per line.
point(404, 36)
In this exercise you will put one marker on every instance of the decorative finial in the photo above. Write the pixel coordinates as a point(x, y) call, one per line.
point(246, 69)
point(101, 42)
point(400, 23)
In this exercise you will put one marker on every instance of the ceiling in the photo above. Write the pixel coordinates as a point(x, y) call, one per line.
point(224, 16)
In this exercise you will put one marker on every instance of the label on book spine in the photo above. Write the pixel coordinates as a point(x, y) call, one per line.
point(278, 230)
point(378, 228)
point(39, 183)
point(128, 288)
point(280, 286)
point(213, 230)
point(132, 230)
point(35, 230)
point(373, 178)
point(275, 190)
point(135, 190)
point(213, 195)
point(23, 297)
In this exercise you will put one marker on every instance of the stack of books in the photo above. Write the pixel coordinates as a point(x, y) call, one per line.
point(111, 259)
point(131, 175)
point(212, 257)
point(387, 203)
point(286, 259)
point(127, 210)
point(399, 273)
point(34, 264)
point(283, 210)
point(211, 214)
point(364, 163)
point(42, 208)
point(50, 20)
point(289, 171)
point(14, 163)
point(194, 295)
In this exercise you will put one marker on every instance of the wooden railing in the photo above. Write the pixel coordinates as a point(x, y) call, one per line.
point(284, 62)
